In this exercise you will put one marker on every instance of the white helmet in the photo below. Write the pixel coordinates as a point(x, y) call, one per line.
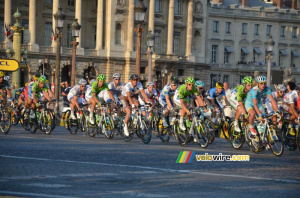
point(117, 75)
point(92, 81)
point(280, 87)
point(150, 84)
point(261, 78)
point(82, 82)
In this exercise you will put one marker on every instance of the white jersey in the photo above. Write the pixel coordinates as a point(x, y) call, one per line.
point(129, 88)
point(291, 97)
point(116, 90)
point(149, 95)
point(75, 91)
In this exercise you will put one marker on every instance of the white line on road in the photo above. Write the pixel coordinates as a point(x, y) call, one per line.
point(154, 168)
point(34, 194)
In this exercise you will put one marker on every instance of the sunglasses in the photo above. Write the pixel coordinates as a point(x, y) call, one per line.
point(117, 79)
point(174, 85)
point(249, 84)
point(134, 79)
point(82, 85)
point(200, 87)
point(280, 91)
point(262, 83)
point(190, 84)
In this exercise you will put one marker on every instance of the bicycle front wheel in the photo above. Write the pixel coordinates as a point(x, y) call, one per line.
point(5, 122)
point(163, 132)
point(145, 131)
point(237, 139)
point(274, 138)
point(182, 137)
point(108, 127)
point(201, 135)
point(47, 122)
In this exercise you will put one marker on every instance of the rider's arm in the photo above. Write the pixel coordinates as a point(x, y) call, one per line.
point(293, 109)
point(8, 93)
point(226, 101)
point(168, 102)
point(256, 106)
point(241, 104)
point(110, 95)
point(200, 101)
point(94, 96)
point(129, 98)
point(46, 95)
point(51, 94)
point(183, 106)
point(273, 102)
point(144, 95)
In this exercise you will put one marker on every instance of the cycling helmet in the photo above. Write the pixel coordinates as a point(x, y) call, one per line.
point(34, 77)
point(219, 85)
point(134, 76)
point(42, 79)
point(199, 83)
point(92, 81)
point(190, 80)
point(150, 84)
point(1, 74)
point(174, 80)
point(117, 75)
point(101, 77)
point(247, 80)
point(280, 87)
point(82, 82)
point(261, 78)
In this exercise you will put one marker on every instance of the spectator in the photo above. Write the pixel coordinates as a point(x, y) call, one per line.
point(13, 91)
point(65, 92)
point(227, 92)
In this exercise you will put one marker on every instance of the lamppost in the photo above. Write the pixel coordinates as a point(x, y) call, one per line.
point(75, 33)
point(150, 43)
point(59, 17)
point(17, 28)
point(139, 12)
point(24, 59)
point(270, 44)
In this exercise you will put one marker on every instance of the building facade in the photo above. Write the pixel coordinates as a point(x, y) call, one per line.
point(210, 40)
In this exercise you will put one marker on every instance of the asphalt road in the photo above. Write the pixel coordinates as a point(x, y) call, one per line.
point(62, 165)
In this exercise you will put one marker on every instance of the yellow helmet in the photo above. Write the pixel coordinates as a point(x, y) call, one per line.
point(26, 84)
point(35, 77)
point(1, 74)
point(220, 85)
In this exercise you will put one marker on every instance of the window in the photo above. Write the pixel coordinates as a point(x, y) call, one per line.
point(180, 72)
point(119, 2)
point(157, 44)
point(95, 36)
point(177, 7)
point(158, 6)
point(25, 35)
point(294, 32)
point(1, 29)
point(244, 28)
point(69, 35)
point(216, 26)
point(176, 45)
point(226, 56)
point(197, 41)
point(214, 51)
point(269, 27)
point(143, 70)
point(48, 1)
point(136, 2)
point(71, 2)
point(228, 27)
point(118, 34)
point(282, 32)
point(256, 30)
point(226, 78)
point(280, 58)
point(243, 56)
point(48, 34)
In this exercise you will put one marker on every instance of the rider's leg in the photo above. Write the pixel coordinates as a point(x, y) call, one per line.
point(236, 120)
point(72, 105)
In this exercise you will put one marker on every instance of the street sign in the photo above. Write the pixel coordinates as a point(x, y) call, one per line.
point(9, 65)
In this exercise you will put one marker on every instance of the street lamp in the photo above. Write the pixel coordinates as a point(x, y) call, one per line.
point(9, 53)
point(150, 43)
point(75, 33)
point(270, 45)
point(139, 13)
point(59, 17)
point(24, 59)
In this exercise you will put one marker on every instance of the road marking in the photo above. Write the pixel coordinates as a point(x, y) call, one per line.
point(154, 168)
point(48, 185)
point(34, 194)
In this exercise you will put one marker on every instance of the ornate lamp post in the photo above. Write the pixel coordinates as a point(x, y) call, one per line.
point(75, 33)
point(139, 12)
point(270, 45)
point(59, 23)
point(150, 43)
point(17, 28)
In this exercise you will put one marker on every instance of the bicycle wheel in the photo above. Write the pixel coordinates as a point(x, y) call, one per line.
point(237, 139)
point(211, 134)
point(276, 143)
point(181, 136)
point(73, 125)
point(32, 124)
point(288, 140)
point(108, 127)
point(5, 122)
point(130, 129)
point(201, 135)
point(225, 129)
point(145, 131)
point(163, 132)
point(154, 125)
point(47, 122)
point(15, 117)
point(253, 144)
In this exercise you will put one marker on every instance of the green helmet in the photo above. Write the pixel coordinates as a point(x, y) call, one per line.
point(190, 80)
point(101, 77)
point(42, 79)
point(247, 80)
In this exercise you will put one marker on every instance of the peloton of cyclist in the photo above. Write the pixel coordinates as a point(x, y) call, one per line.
point(74, 96)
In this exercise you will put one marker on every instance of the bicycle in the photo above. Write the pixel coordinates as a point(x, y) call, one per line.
point(237, 139)
point(5, 117)
point(73, 125)
point(45, 117)
point(289, 140)
point(269, 137)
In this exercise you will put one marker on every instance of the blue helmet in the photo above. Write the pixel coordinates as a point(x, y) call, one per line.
point(261, 78)
point(199, 83)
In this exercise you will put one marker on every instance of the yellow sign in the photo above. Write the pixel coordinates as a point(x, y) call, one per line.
point(9, 65)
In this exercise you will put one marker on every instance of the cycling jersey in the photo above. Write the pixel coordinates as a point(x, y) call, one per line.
point(129, 88)
point(4, 85)
point(259, 95)
point(291, 97)
point(237, 95)
point(184, 93)
point(37, 89)
point(212, 93)
point(96, 89)
point(277, 100)
point(115, 90)
point(75, 91)
point(167, 91)
point(149, 95)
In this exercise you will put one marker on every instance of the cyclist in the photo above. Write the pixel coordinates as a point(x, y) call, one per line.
point(74, 96)
point(183, 99)
point(253, 102)
point(93, 94)
point(115, 87)
point(200, 87)
point(278, 97)
point(211, 99)
point(150, 93)
point(165, 98)
point(290, 104)
point(4, 88)
point(238, 97)
point(129, 97)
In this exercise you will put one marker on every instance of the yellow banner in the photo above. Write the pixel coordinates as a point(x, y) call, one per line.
point(9, 65)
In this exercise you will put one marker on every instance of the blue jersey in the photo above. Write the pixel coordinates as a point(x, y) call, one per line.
point(259, 95)
point(212, 93)
point(167, 91)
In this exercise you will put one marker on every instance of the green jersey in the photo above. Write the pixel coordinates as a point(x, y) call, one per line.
point(37, 89)
point(96, 89)
point(184, 93)
point(240, 95)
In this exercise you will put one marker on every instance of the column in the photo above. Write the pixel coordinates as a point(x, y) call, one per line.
point(78, 6)
point(170, 28)
point(189, 32)
point(7, 20)
point(151, 15)
point(99, 39)
point(54, 10)
point(130, 25)
point(32, 16)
